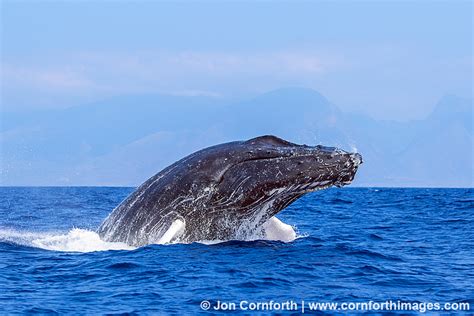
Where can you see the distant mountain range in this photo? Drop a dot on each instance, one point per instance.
(124, 140)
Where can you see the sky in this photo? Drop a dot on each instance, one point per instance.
(391, 60)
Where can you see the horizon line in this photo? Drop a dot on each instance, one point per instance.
(127, 186)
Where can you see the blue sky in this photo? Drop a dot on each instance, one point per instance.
(392, 60)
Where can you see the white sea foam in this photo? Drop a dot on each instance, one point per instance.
(76, 240)
(83, 240)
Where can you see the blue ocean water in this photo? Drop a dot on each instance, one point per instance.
(356, 245)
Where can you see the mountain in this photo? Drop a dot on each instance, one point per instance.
(441, 148)
(124, 140)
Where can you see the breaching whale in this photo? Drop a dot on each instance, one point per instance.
(226, 191)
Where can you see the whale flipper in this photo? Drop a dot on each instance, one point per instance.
(173, 233)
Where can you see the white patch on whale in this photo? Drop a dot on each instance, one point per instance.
(176, 229)
(275, 229)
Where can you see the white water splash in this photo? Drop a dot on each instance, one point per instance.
(353, 148)
(83, 240)
(76, 240)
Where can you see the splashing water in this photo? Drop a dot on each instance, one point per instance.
(76, 240)
(84, 240)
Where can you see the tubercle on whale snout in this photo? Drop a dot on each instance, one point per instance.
(347, 178)
(231, 183)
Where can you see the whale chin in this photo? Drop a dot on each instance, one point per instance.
(228, 191)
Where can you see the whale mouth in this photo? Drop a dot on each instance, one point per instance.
(314, 186)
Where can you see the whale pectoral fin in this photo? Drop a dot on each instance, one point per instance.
(175, 230)
(274, 229)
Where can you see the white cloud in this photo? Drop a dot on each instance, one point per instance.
(183, 72)
(59, 77)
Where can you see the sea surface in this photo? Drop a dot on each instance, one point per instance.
(354, 245)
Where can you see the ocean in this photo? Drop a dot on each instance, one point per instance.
(354, 245)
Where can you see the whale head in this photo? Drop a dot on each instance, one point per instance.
(268, 169)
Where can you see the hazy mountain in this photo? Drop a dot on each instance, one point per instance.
(124, 140)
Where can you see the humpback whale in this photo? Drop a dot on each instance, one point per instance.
(226, 191)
